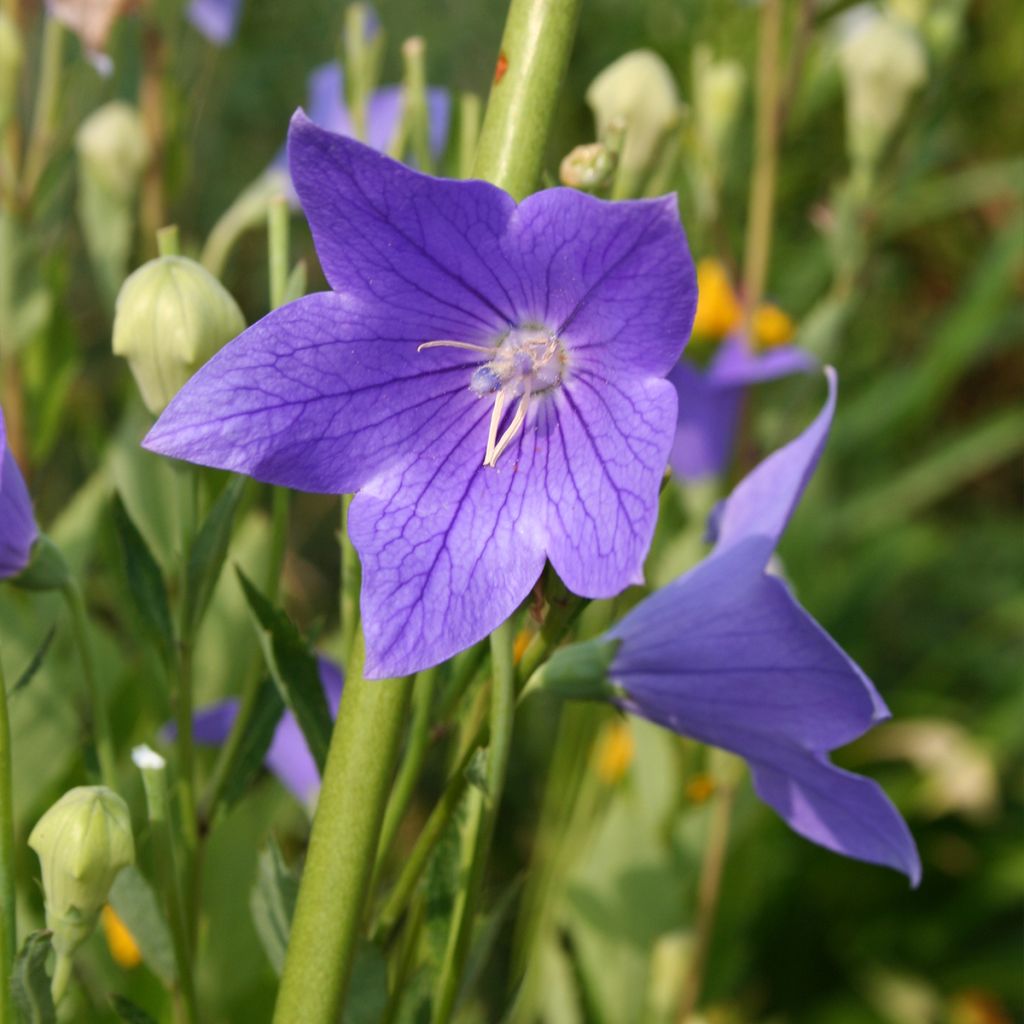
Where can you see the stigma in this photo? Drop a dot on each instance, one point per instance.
(523, 364)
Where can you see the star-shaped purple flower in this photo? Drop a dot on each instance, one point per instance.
(18, 530)
(288, 756)
(727, 656)
(217, 20)
(710, 401)
(489, 377)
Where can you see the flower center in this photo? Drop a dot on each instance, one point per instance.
(526, 362)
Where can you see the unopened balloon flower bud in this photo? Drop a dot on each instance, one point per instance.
(639, 90)
(883, 64)
(12, 54)
(171, 316)
(587, 167)
(82, 841)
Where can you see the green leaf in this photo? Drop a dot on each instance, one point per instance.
(35, 664)
(127, 1010)
(135, 902)
(209, 550)
(272, 903)
(294, 669)
(145, 581)
(30, 984)
(368, 990)
(249, 755)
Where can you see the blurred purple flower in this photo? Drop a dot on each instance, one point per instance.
(488, 377)
(710, 401)
(328, 109)
(288, 756)
(217, 20)
(727, 656)
(18, 530)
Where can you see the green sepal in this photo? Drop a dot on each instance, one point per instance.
(46, 569)
(578, 672)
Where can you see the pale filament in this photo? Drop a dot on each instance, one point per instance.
(494, 450)
(456, 344)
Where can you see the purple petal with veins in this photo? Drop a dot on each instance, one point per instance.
(488, 377)
(18, 530)
(727, 656)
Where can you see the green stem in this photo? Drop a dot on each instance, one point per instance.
(277, 249)
(482, 820)
(414, 98)
(100, 727)
(154, 780)
(44, 121)
(8, 924)
(351, 572)
(766, 138)
(168, 240)
(412, 762)
(469, 131)
(342, 847)
(534, 54)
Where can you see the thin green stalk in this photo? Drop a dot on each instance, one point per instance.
(346, 832)
(44, 120)
(351, 573)
(482, 821)
(412, 762)
(414, 98)
(277, 249)
(766, 145)
(531, 64)
(8, 923)
(168, 240)
(100, 727)
(470, 109)
(154, 780)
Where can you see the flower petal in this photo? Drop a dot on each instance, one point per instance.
(405, 241)
(726, 655)
(318, 396)
(761, 504)
(735, 365)
(847, 813)
(615, 279)
(326, 88)
(215, 19)
(706, 426)
(604, 453)
(449, 547)
(18, 530)
(212, 725)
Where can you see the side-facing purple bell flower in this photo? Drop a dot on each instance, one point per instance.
(489, 377)
(18, 530)
(288, 756)
(328, 109)
(217, 20)
(710, 401)
(727, 656)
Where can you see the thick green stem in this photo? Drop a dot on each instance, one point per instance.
(100, 727)
(482, 820)
(8, 921)
(342, 847)
(528, 76)
(766, 141)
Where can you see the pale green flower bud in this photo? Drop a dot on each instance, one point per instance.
(718, 88)
(12, 54)
(883, 64)
(171, 316)
(112, 150)
(639, 90)
(82, 841)
(588, 167)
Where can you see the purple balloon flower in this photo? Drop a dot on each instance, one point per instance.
(328, 109)
(727, 656)
(710, 401)
(217, 20)
(288, 756)
(18, 530)
(489, 377)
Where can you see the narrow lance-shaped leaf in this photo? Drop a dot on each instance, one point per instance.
(208, 552)
(272, 903)
(35, 664)
(30, 985)
(145, 581)
(251, 752)
(128, 1011)
(135, 902)
(294, 669)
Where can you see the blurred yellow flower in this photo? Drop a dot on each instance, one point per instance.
(718, 307)
(121, 943)
(614, 752)
(522, 641)
(700, 788)
(771, 326)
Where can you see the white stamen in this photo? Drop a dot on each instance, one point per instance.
(456, 344)
(511, 431)
(492, 430)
